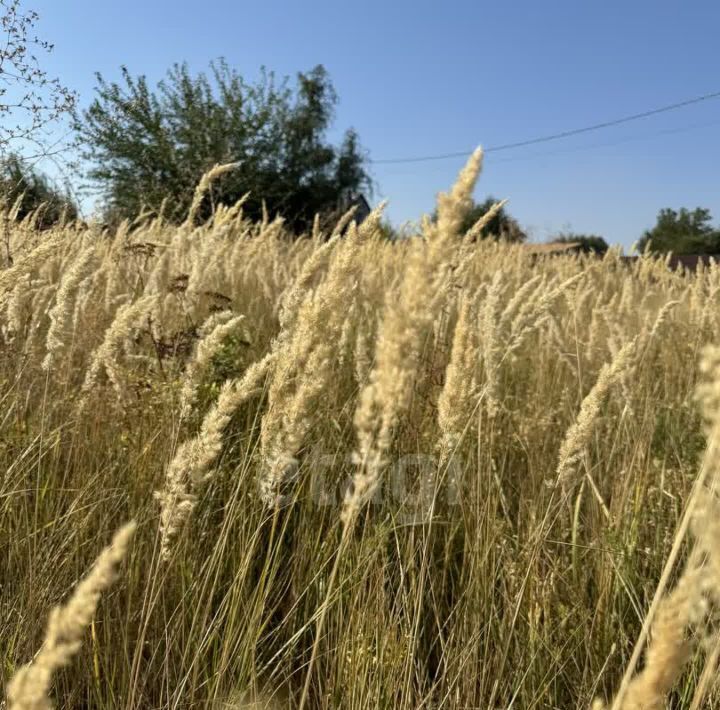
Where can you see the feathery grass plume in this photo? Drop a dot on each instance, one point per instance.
(708, 307)
(208, 265)
(25, 264)
(159, 276)
(535, 314)
(225, 215)
(10, 212)
(29, 687)
(87, 295)
(452, 207)
(61, 312)
(670, 647)
(17, 311)
(116, 285)
(455, 403)
(213, 321)
(204, 185)
(578, 435)
(190, 469)
(477, 228)
(41, 298)
(346, 333)
(708, 390)
(305, 361)
(363, 357)
(106, 357)
(121, 237)
(406, 319)
(519, 300)
(343, 222)
(490, 344)
(662, 316)
(211, 341)
(290, 301)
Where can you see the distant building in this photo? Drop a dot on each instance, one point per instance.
(692, 262)
(362, 205)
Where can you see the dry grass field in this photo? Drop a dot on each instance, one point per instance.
(440, 473)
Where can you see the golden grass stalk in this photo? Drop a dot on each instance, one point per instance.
(363, 357)
(296, 292)
(205, 350)
(578, 435)
(406, 320)
(61, 312)
(476, 230)
(106, 357)
(17, 306)
(530, 318)
(455, 403)
(490, 344)
(670, 647)
(303, 369)
(226, 216)
(25, 264)
(204, 185)
(190, 469)
(660, 319)
(678, 620)
(519, 301)
(29, 687)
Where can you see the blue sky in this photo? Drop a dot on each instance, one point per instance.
(421, 78)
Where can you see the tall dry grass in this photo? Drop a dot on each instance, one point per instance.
(433, 473)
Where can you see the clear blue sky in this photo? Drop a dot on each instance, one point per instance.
(419, 78)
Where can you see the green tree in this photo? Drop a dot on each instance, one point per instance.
(145, 145)
(589, 243)
(28, 190)
(682, 232)
(500, 226)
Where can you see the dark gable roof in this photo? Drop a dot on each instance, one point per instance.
(363, 208)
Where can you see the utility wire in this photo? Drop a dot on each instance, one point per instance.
(607, 143)
(555, 136)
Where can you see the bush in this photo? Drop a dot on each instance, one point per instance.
(26, 189)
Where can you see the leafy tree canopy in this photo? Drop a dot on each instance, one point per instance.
(27, 190)
(589, 243)
(149, 145)
(682, 232)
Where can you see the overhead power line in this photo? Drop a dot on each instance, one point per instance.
(555, 136)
